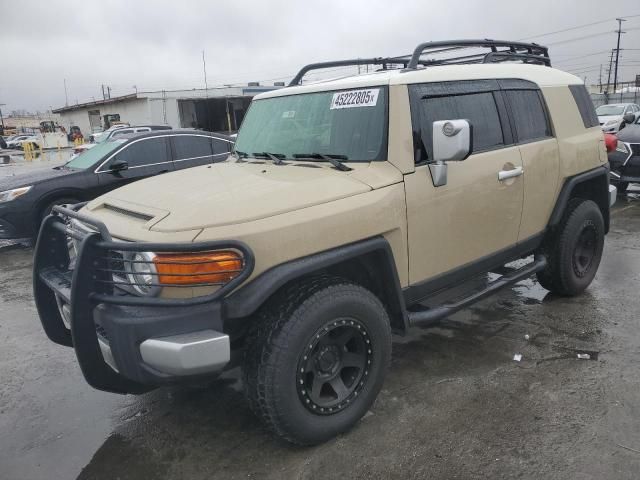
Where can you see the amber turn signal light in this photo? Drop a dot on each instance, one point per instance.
(197, 268)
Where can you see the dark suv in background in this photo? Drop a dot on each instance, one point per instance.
(625, 158)
(26, 199)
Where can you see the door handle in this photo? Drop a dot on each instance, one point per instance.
(506, 174)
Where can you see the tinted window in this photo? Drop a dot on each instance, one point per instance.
(145, 152)
(221, 146)
(585, 105)
(528, 114)
(91, 156)
(479, 108)
(192, 146)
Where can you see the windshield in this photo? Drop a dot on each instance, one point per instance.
(349, 123)
(610, 110)
(89, 157)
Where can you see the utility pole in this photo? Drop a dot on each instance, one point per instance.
(600, 78)
(66, 97)
(620, 32)
(1, 117)
(609, 74)
(204, 69)
(108, 91)
(103, 95)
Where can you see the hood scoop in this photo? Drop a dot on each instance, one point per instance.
(128, 213)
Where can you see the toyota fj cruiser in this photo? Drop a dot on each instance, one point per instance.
(347, 207)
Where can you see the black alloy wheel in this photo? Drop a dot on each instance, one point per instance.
(333, 369)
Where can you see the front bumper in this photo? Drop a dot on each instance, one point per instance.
(625, 167)
(16, 220)
(124, 343)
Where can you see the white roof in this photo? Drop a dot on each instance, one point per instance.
(541, 75)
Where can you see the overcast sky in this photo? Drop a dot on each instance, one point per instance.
(158, 44)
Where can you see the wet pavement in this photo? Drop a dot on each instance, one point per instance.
(14, 162)
(455, 404)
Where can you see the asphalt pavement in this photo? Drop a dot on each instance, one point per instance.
(455, 403)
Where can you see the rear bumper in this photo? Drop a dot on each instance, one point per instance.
(123, 343)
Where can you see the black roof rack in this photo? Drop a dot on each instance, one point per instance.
(499, 51)
(387, 63)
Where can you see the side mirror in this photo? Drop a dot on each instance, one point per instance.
(452, 141)
(118, 166)
(629, 118)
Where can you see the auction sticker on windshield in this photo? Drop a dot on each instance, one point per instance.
(355, 98)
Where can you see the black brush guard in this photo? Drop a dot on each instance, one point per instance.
(89, 284)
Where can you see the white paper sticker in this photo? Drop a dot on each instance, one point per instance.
(289, 114)
(355, 98)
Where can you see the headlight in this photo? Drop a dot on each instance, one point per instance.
(622, 148)
(148, 272)
(9, 195)
(141, 273)
(611, 122)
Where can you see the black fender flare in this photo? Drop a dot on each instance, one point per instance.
(600, 177)
(377, 252)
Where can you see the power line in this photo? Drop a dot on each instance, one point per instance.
(575, 28)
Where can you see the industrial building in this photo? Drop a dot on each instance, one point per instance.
(214, 109)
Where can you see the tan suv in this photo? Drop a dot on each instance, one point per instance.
(346, 205)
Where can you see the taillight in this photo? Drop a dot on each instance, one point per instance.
(610, 142)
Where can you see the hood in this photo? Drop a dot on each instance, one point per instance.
(231, 193)
(605, 118)
(629, 134)
(32, 178)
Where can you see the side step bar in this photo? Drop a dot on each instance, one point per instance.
(432, 315)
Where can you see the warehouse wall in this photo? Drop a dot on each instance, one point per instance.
(134, 111)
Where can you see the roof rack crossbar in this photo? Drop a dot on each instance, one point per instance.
(401, 61)
(499, 51)
(515, 49)
(495, 57)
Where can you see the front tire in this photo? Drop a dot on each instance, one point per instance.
(574, 251)
(317, 359)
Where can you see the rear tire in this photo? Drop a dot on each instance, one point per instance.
(621, 186)
(574, 251)
(316, 359)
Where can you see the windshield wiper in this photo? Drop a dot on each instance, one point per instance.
(334, 160)
(276, 157)
(238, 154)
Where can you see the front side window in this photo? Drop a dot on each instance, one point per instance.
(529, 117)
(145, 152)
(479, 108)
(91, 156)
(350, 123)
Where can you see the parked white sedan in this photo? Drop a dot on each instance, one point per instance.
(612, 116)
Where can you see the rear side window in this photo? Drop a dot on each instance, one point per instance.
(529, 116)
(145, 152)
(585, 105)
(192, 146)
(479, 108)
(221, 146)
